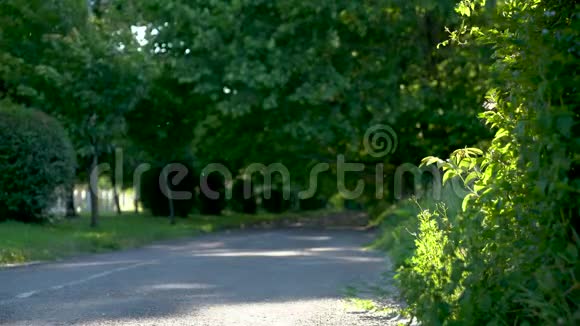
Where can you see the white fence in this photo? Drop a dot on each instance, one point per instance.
(83, 202)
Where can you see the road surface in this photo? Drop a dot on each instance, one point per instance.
(251, 277)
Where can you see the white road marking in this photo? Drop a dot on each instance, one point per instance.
(29, 294)
(26, 295)
(100, 275)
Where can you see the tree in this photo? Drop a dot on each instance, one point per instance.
(89, 74)
(310, 78)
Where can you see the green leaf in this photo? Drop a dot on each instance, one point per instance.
(429, 160)
(478, 188)
(449, 174)
(466, 200)
(474, 151)
(501, 133)
(463, 9)
(471, 176)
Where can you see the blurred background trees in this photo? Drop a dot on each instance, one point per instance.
(243, 82)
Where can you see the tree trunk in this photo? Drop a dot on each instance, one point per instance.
(116, 195)
(71, 211)
(117, 202)
(94, 190)
(171, 207)
(171, 212)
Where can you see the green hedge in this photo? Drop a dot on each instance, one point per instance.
(36, 158)
(239, 203)
(275, 203)
(210, 206)
(511, 257)
(155, 200)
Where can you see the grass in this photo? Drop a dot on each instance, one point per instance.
(373, 301)
(20, 243)
(398, 228)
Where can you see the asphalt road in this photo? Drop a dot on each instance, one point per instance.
(255, 277)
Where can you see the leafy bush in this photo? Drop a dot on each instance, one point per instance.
(153, 198)
(239, 202)
(276, 203)
(512, 255)
(211, 206)
(429, 281)
(312, 203)
(396, 227)
(36, 157)
(399, 223)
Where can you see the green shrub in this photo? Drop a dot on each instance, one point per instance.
(313, 203)
(36, 158)
(336, 201)
(399, 223)
(154, 200)
(397, 226)
(276, 203)
(211, 206)
(428, 276)
(511, 257)
(239, 203)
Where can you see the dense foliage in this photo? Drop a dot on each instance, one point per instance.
(243, 201)
(275, 202)
(75, 63)
(36, 158)
(298, 83)
(511, 256)
(153, 195)
(312, 203)
(208, 203)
